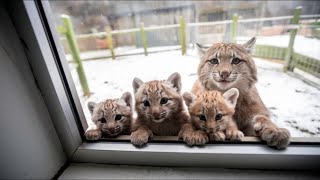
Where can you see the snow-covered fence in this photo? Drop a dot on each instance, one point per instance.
(292, 59)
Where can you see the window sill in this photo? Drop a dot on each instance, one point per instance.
(251, 154)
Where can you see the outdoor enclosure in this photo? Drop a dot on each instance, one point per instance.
(287, 53)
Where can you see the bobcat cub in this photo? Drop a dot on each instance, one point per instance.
(212, 112)
(111, 117)
(160, 110)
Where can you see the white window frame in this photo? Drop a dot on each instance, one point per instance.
(34, 22)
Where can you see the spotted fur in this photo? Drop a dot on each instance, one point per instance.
(111, 117)
(217, 70)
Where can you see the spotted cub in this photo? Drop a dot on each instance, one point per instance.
(161, 112)
(212, 113)
(111, 117)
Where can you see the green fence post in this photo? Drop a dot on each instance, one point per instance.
(143, 38)
(110, 42)
(69, 33)
(183, 35)
(289, 52)
(234, 28)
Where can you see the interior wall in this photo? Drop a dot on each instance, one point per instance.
(30, 147)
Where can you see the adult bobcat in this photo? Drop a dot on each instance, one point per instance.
(224, 66)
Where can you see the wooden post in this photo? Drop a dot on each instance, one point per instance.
(183, 35)
(234, 28)
(143, 38)
(69, 33)
(110, 42)
(289, 52)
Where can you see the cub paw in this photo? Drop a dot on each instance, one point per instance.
(277, 137)
(217, 136)
(93, 134)
(195, 138)
(234, 135)
(139, 138)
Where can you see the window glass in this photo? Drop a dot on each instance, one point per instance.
(119, 40)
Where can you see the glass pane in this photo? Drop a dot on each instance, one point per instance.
(120, 40)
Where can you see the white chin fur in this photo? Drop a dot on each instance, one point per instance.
(224, 85)
(158, 120)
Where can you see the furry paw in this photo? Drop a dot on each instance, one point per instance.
(93, 134)
(139, 138)
(234, 135)
(195, 138)
(278, 137)
(217, 136)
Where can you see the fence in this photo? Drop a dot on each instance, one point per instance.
(291, 59)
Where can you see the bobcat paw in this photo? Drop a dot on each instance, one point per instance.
(278, 137)
(234, 135)
(217, 136)
(195, 138)
(93, 134)
(139, 138)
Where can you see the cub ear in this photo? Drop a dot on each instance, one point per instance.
(248, 46)
(136, 84)
(231, 96)
(175, 80)
(188, 98)
(91, 106)
(201, 49)
(127, 97)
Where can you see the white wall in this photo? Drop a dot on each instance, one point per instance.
(30, 147)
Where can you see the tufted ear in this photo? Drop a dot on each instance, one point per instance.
(231, 96)
(175, 80)
(91, 106)
(127, 98)
(248, 46)
(201, 49)
(188, 98)
(136, 84)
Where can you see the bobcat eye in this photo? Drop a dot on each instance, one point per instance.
(236, 61)
(118, 117)
(163, 100)
(102, 120)
(218, 117)
(146, 103)
(214, 61)
(202, 117)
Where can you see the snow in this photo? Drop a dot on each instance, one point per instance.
(302, 45)
(293, 103)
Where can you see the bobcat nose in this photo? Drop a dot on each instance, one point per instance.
(111, 130)
(224, 74)
(156, 115)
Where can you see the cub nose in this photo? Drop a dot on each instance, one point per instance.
(156, 115)
(224, 74)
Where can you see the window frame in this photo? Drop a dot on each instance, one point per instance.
(34, 21)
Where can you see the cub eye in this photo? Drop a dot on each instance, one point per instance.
(102, 120)
(202, 117)
(163, 100)
(118, 117)
(218, 117)
(146, 103)
(214, 61)
(235, 61)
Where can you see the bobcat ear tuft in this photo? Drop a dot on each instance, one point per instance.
(201, 49)
(248, 46)
(175, 80)
(127, 97)
(231, 96)
(136, 84)
(91, 106)
(188, 98)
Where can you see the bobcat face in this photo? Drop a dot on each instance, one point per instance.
(157, 100)
(225, 65)
(112, 116)
(210, 111)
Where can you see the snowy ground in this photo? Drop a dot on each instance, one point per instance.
(293, 103)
